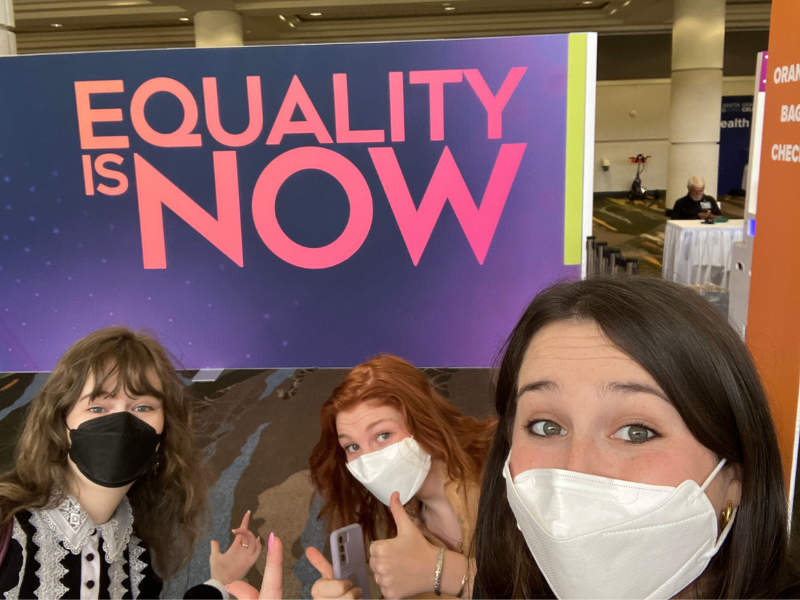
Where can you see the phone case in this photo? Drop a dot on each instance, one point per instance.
(349, 558)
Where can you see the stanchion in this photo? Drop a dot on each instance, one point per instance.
(602, 258)
(614, 257)
(591, 256)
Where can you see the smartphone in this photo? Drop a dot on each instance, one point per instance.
(349, 558)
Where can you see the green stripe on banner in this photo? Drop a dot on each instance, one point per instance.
(576, 122)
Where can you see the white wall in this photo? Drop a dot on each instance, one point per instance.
(633, 118)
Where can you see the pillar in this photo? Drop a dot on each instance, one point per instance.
(698, 44)
(217, 28)
(8, 40)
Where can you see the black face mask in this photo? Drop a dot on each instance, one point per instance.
(114, 450)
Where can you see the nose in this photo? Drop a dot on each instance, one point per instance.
(585, 456)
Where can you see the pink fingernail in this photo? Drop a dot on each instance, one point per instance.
(228, 589)
(271, 541)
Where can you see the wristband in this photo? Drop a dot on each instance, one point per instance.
(437, 578)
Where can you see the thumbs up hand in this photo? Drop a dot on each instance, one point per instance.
(326, 587)
(403, 566)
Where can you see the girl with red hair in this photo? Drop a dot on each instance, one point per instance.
(391, 444)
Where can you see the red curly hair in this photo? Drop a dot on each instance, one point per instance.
(460, 442)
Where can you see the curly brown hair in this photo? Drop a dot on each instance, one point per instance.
(460, 442)
(169, 501)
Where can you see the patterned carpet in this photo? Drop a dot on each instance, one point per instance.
(636, 227)
(257, 429)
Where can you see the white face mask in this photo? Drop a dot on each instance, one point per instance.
(594, 537)
(401, 467)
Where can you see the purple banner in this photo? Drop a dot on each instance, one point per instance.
(282, 206)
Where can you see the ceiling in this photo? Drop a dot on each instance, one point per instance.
(85, 25)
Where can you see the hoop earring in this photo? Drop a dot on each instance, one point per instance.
(725, 516)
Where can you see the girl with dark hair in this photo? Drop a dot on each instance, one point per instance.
(635, 455)
(404, 463)
(106, 496)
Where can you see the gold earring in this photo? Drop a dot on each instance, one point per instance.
(725, 516)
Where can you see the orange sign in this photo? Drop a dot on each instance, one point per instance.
(773, 326)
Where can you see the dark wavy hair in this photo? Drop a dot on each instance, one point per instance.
(708, 375)
(169, 501)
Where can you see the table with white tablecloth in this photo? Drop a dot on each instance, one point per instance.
(696, 253)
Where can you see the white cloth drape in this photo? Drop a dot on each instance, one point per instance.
(696, 253)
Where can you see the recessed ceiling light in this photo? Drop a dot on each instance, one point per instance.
(291, 24)
(626, 3)
(449, 7)
(316, 14)
(587, 2)
(281, 17)
(613, 12)
(183, 19)
(56, 25)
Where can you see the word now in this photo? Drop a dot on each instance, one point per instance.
(787, 74)
(416, 224)
(294, 99)
(786, 152)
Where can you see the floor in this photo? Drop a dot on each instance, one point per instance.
(636, 227)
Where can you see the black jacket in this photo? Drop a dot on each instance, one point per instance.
(686, 208)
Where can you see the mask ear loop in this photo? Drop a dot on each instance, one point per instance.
(701, 490)
(714, 473)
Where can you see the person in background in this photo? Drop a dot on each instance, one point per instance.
(635, 454)
(695, 204)
(404, 463)
(106, 496)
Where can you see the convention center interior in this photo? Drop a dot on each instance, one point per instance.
(399, 298)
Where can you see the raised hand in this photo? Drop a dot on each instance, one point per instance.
(240, 557)
(326, 586)
(403, 566)
(272, 584)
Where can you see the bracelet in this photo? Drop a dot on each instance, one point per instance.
(463, 583)
(437, 578)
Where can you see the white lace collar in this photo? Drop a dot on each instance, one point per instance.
(73, 527)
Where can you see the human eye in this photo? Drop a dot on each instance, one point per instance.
(545, 428)
(143, 408)
(96, 409)
(352, 448)
(636, 433)
(382, 437)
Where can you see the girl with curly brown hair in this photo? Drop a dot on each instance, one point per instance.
(106, 495)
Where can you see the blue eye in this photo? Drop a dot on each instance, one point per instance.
(382, 437)
(351, 448)
(96, 409)
(546, 428)
(143, 408)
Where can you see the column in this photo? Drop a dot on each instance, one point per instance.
(217, 28)
(698, 43)
(8, 40)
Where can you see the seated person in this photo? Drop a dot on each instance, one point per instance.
(695, 204)
(635, 455)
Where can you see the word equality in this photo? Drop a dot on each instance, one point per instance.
(416, 224)
(295, 98)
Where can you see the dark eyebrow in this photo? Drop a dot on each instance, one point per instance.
(634, 388)
(537, 386)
